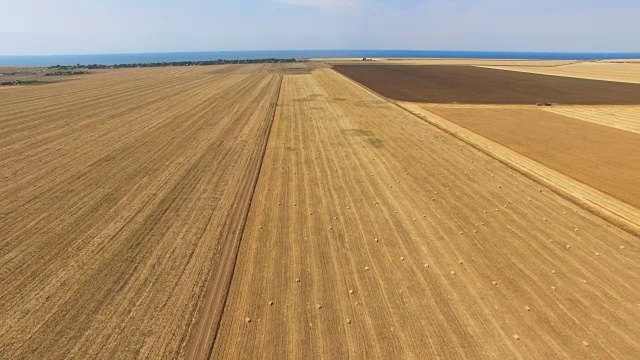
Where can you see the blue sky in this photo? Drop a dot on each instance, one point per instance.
(40, 27)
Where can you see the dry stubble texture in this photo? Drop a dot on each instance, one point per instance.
(619, 117)
(117, 193)
(374, 235)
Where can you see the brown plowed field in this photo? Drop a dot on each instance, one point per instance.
(375, 235)
(120, 197)
(597, 155)
(467, 84)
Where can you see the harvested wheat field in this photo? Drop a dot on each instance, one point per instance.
(620, 117)
(374, 234)
(443, 61)
(603, 157)
(122, 198)
(477, 85)
(179, 213)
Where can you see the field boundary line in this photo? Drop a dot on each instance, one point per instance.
(622, 215)
(627, 217)
(525, 68)
(201, 340)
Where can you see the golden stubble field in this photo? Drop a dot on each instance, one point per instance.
(121, 196)
(375, 231)
(374, 234)
(601, 70)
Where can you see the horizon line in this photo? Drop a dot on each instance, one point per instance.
(302, 50)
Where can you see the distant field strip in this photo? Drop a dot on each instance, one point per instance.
(608, 71)
(375, 235)
(118, 193)
(620, 117)
(478, 62)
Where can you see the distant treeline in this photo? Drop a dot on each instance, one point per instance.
(66, 73)
(175, 63)
(21, 82)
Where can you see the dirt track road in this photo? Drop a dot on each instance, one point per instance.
(375, 235)
(117, 196)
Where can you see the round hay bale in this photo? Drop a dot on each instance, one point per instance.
(527, 308)
(453, 272)
(348, 321)
(494, 283)
(297, 280)
(351, 292)
(516, 336)
(270, 303)
(247, 319)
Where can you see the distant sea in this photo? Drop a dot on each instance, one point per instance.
(111, 59)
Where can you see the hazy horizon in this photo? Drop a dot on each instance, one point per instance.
(634, 53)
(38, 27)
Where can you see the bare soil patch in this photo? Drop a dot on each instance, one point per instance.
(464, 84)
(600, 156)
